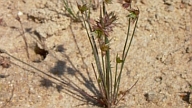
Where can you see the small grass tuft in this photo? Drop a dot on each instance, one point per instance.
(108, 77)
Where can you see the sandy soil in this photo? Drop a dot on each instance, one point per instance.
(60, 55)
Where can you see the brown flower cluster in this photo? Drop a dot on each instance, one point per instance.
(105, 24)
(102, 28)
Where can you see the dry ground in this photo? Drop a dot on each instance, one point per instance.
(160, 56)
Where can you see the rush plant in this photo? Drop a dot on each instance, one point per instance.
(98, 33)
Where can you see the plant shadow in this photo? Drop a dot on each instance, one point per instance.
(63, 68)
(61, 84)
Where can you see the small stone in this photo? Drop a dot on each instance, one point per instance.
(189, 49)
(169, 2)
(155, 97)
(31, 90)
(151, 97)
(158, 79)
(148, 27)
(170, 8)
(189, 2)
(20, 13)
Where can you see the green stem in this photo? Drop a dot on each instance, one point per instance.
(69, 9)
(115, 81)
(122, 65)
(95, 52)
(128, 30)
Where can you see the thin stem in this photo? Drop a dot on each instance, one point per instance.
(115, 81)
(94, 49)
(131, 38)
(24, 36)
(107, 63)
(127, 91)
(128, 30)
(96, 56)
(101, 90)
(103, 64)
(69, 9)
(122, 65)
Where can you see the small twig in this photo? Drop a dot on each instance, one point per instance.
(24, 36)
(126, 92)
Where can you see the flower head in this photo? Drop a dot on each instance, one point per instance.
(105, 24)
(134, 14)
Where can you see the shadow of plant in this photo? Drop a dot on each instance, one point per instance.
(62, 84)
(59, 72)
(46, 83)
(60, 68)
(59, 88)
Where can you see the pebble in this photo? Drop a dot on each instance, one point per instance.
(20, 13)
(154, 97)
(170, 8)
(189, 2)
(31, 90)
(151, 96)
(169, 2)
(158, 79)
(189, 49)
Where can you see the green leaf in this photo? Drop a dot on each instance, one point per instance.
(83, 8)
(118, 60)
(133, 13)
